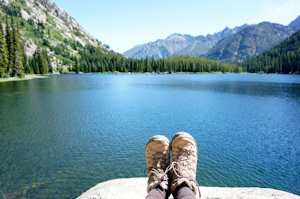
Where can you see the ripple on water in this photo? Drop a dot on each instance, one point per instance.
(62, 135)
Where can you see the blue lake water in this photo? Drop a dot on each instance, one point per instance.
(62, 135)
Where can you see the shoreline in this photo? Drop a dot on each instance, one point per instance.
(27, 77)
(181, 73)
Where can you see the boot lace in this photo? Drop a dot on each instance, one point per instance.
(183, 164)
(158, 173)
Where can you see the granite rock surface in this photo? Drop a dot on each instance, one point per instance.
(135, 188)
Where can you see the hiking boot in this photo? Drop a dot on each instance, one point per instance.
(184, 156)
(157, 153)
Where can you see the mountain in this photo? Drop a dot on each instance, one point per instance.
(282, 58)
(202, 44)
(250, 42)
(46, 24)
(161, 48)
(60, 23)
(178, 44)
(296, 22)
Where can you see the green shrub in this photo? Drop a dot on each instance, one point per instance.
(21, 75)
(68, 72)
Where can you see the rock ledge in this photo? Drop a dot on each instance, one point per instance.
(135, 188)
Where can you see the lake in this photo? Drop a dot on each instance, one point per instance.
(62, 135)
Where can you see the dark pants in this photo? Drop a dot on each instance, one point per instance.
(182, 192)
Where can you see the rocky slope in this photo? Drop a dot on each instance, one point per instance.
(202, 44)
(162, 48)
(296, 22)
(250, 42)
(282, 58)
(178, 44)
(43, 21)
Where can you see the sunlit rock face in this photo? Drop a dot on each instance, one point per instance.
(134, 188)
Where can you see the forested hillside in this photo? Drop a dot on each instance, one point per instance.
(38, 37)
(283, 58)
(42, 30)
(37, 43)
(93, 60)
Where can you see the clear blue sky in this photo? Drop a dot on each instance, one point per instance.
(123, 24)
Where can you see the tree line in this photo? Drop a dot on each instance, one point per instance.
(94, 59)
(282, 58)
(13, 60)
(12, 55)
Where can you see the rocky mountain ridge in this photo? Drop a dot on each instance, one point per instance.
(179, 44)
(161, 48)
(249, 42)
(202, 44)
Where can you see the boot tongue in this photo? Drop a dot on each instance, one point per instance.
(160, 161)
(159, 166)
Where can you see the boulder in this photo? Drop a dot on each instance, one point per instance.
(25, 15)
(135, 188)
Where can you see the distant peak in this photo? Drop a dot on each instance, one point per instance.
(296, 22)
(242, 26)
(178, 36)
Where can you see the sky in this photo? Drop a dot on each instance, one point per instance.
(122, 24)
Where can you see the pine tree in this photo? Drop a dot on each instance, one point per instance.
(102, 68)
(36, 65)
(3, 52)
(10, 46)
(82, 66)
(18, 65)
(136, 65)
(43, 65)
(24, 56)
(106, 67)
(123, 66)
(147, 64)
(30, 65)
(76, 65)
(89, 67)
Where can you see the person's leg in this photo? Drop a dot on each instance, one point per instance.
(184, 156)
(157, 154)
(184, 192)
(157, 193)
